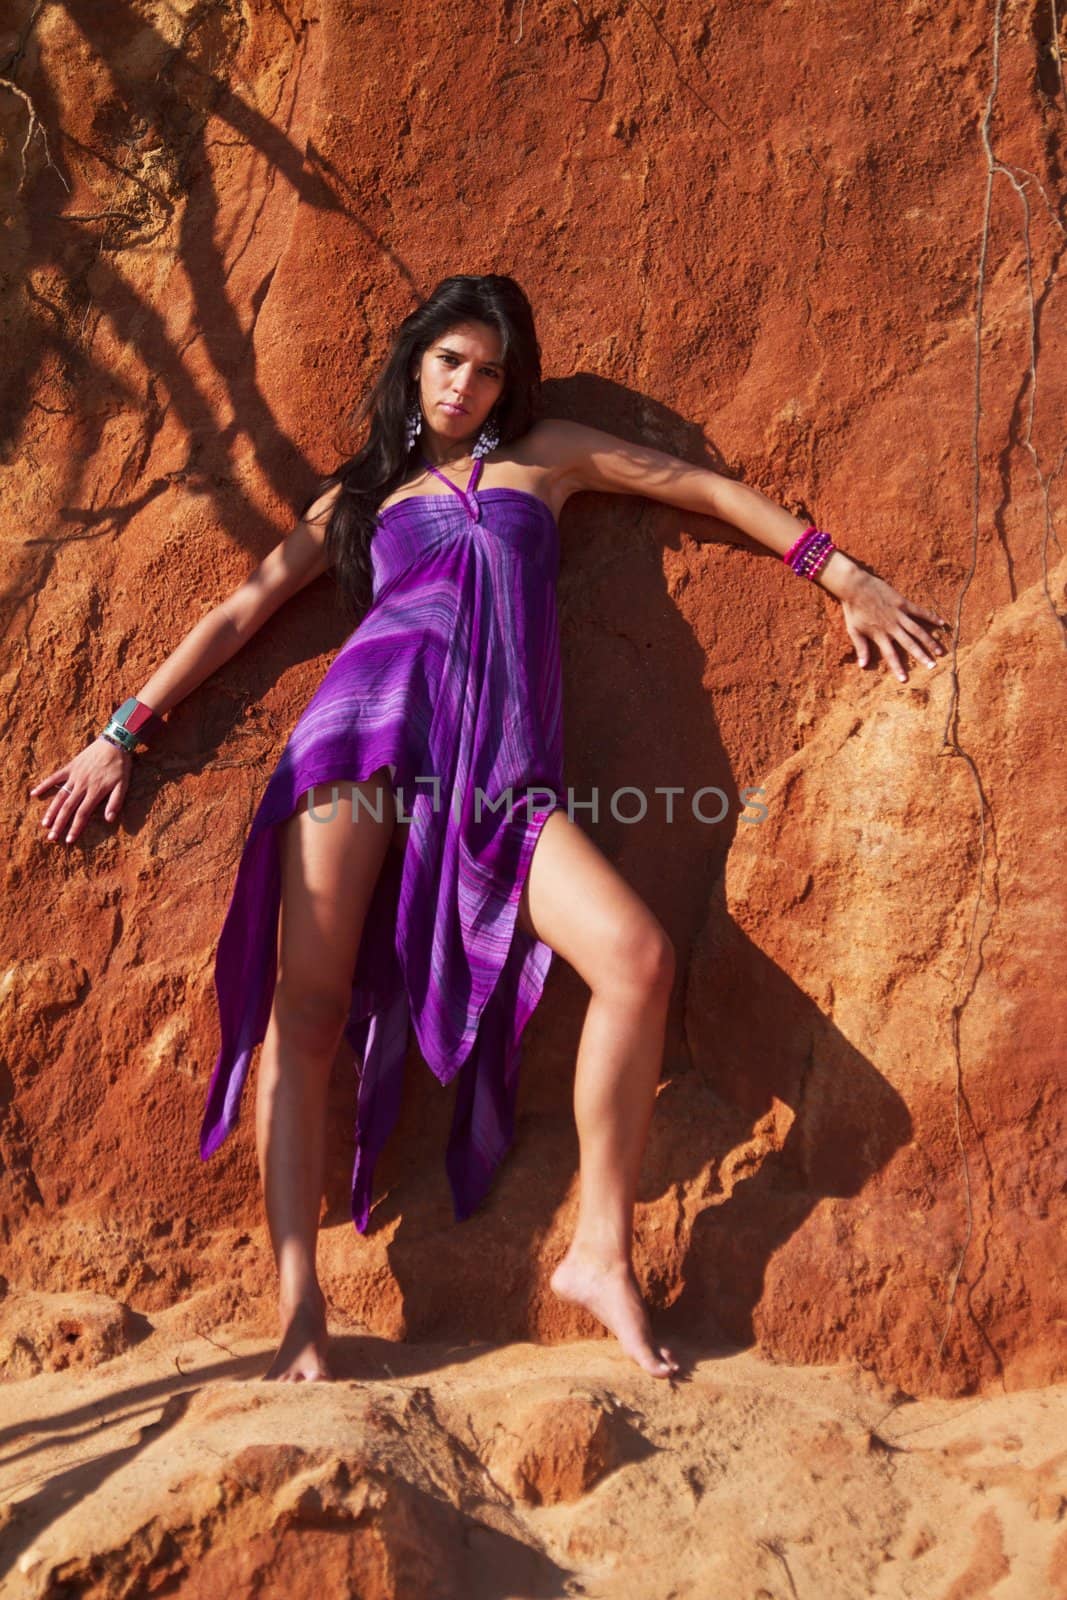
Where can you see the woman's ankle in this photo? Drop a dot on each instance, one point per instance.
(601, 1249)
(300, 1290)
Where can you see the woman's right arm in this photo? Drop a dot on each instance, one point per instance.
(101, 770)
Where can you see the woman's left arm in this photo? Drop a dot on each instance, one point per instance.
(588, 458)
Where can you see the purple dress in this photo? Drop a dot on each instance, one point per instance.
(452, 679)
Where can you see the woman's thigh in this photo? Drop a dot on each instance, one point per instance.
(333, 849)
(583, 908)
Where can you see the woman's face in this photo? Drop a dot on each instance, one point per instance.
(461, 367)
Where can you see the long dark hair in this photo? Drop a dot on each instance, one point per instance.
(384, 461)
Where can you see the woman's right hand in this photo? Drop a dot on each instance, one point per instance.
(100, 770)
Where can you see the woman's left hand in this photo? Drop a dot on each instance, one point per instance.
(873, 609)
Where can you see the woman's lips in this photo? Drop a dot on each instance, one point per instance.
(458, 411)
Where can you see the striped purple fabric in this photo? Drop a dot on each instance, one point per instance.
(452, 680)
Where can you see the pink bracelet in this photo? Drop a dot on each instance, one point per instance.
(809, 553)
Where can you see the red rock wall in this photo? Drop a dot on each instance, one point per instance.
(758, 235)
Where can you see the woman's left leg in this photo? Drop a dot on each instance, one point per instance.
(578, 904)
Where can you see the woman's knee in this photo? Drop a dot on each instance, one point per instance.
(308, 1015)
(640, 956)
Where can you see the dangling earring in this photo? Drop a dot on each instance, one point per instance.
(488, 438)
(414, 423)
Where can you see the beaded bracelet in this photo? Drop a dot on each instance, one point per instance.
(808, 554)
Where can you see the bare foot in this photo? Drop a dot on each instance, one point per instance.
(610, 1292)
(303, 1348)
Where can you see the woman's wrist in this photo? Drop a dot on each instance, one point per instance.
(133, 723)
(109, 738)
(840, 576)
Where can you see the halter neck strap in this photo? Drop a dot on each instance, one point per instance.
(466, 493)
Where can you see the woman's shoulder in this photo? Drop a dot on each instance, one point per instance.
(546, 443)
(320, 505)
(563, 448)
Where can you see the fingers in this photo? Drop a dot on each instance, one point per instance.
(930, 616)
(903, 629)
(909, 620)
(46, 783)
(69, 812)
(885, 645)
(915, 638)
(859, 644)
(81, 816)
(58, 803)
(116, 797)
(61, 803)
(60, 813)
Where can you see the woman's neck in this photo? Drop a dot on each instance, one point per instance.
(449, 453)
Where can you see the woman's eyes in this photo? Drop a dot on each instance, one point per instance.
(487, 370)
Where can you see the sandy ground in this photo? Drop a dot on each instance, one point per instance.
(472, 1472)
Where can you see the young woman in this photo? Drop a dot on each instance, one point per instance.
(413, 855)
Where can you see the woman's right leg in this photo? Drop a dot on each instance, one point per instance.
(331, 859)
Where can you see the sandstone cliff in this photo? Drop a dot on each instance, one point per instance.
(814, 247)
